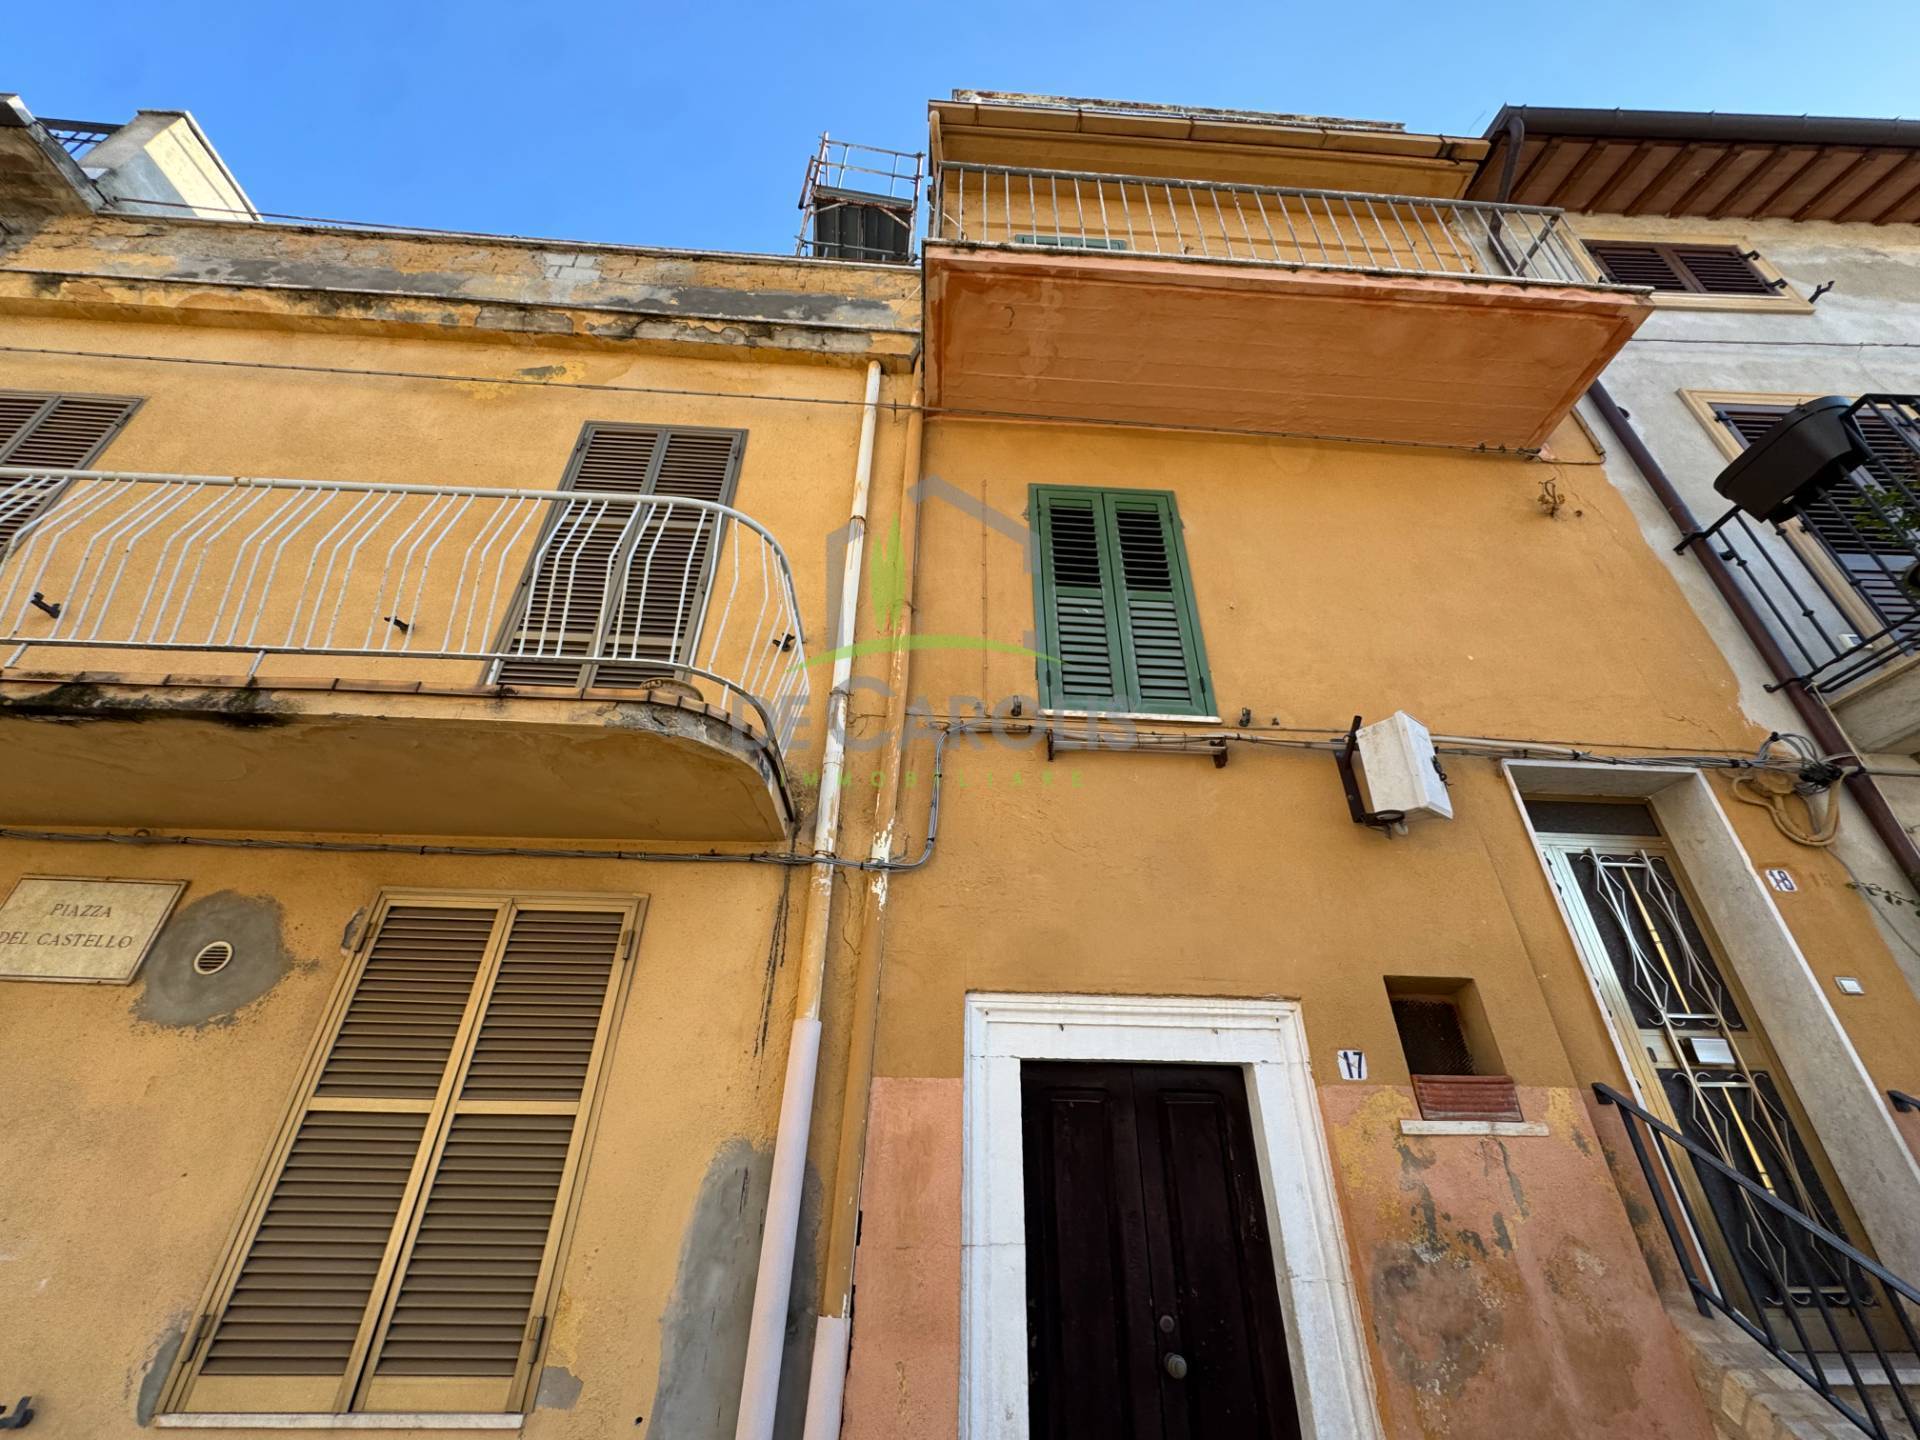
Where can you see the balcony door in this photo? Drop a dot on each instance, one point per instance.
(616, 588)
(1868, 526)
(1700, 1058)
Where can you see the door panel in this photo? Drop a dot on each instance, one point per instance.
(1153, 1311)
(1700, 1059)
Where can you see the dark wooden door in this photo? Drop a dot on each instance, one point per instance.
(1152, 1312)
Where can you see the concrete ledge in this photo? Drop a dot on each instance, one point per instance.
(1473, 1127)
(396, 1420)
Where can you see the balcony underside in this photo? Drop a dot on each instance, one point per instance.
(1882, 714)
(1260, 347)
(93, 751)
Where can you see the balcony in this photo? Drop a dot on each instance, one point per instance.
(1220, 305)
(1839, 585)
(218, 652)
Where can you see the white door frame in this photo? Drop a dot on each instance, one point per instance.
(1876, 1168)
(1326, 1337)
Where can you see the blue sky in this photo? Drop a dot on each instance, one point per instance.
(681, 124)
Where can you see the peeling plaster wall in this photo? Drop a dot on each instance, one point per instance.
(137, 1116)
(1502, 1279)
(555, 290)
(1499, 1278)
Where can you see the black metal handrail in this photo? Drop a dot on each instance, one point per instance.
(1902, 1100)
(1858, 612)
(1871, 1295)
(77, 137)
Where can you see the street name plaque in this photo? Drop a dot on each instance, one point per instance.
(73, 928)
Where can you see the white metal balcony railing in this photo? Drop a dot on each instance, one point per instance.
(556, 588)
(992, 205)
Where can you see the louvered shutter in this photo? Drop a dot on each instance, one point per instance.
(409, 1234)
(59, 432)
(1159, 631)
(1681, 269)
(458, 1334)
(1722, 270)
(1118, 627)
(624, 581)
(1864, 524)
(1081, 668)
(1627, 264)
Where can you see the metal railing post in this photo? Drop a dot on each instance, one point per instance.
(555, 583)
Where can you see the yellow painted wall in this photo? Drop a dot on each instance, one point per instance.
(137, 1137)
(1330, 581)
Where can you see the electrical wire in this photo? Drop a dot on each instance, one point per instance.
(1778, 344)
(450, 378)
(943, 736)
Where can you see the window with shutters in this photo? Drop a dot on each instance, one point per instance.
(1869, 524)
(400, 1252)
(624, 581)
(1118, 627)
(59, 432)
(1687, 269)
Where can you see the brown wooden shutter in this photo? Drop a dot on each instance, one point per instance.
(411, 1225)
(659, 565)
(60, 432)
(1722, 270)
(481, 1253)
(1681, 269)
(1627, 264)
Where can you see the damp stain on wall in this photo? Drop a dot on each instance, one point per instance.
(703, 1331)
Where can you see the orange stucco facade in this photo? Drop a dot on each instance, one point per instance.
(1468, 560)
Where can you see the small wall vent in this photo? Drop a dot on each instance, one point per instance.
(213, 958)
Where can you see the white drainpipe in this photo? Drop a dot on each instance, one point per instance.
(766, 1338)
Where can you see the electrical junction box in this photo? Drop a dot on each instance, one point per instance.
(1397, 756)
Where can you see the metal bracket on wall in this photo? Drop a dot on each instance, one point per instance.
(18, 1417)
(1902, 1100)
(1387, 822)
(1713, 529)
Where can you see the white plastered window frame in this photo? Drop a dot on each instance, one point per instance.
(1875, 1167)
(1266, 1040)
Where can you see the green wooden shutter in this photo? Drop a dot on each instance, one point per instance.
(1081, 665)
(1118, 626)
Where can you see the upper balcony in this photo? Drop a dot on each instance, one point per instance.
(232, 653)
(1839, 584)
(1212, 303)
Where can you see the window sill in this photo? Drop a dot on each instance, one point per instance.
(388, 1420)
(1049, 714)
(1472, 1127)
(1677, 300)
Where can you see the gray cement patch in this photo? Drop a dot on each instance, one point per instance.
(174, 993)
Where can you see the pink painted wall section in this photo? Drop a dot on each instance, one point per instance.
(904, 1379)
(1501, 1280)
